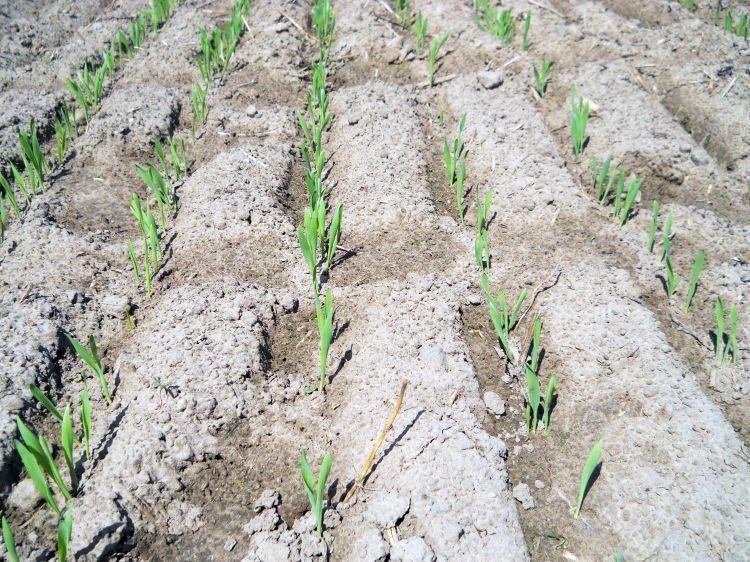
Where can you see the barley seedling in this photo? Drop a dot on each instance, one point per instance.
(672, 281)
(42, 398)
(308, 243)
(689, 5)
(8, 189)
(731, 345)
(67, 446)
(728, 21)
(502, 319)
(32, 152)
(634, 187)
(61, 137)
(91, 358)
(456, 173)
(10, 542)
(179, 157)
(579, 119)
(481, 244)
(42, 453)
(108, 61)
(3, 220)
(588, 470)
(20, 181)
(697, 268)
(325, 327)
(500, 23)
(137, 31)
(652, 230)
(551, 384)
(70, 120)
(324, 21)
(64, 532)
(526, 26)
(37, 477)
(532, 380)
(437, 43)
(200, 112)
(541, 76)
(719, 344)
(732, 342)
(86, 417)
(315, 493)
(421, 30)
(159, 149)
(164, 193)
(134, 261)
(666, 247)
(123, 46)
(603, 177)
(334, 235)
(403, 9)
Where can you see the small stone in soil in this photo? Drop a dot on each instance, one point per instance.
(494, 403)
(522, 493)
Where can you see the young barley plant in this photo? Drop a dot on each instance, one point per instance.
(334, 235)
(64, 533)
(500, 23)
(61, 137)
(672, 281)
(531, 368)
(719, 343)
(20, 182)
(666, 245)
(325, 327)
(526, 26)
(541, 76)
(200, 111)
(652, 230)
(697, 268)
(403, 9)
(162, 189)
(179, 157)
(316, 492)
(579, 119)
(37, 477)
(481, 243)
(67, 446)
(731, 346)
(551, 385)
(91, 358)
(634, 188)
(421, 31)
(689, 5)
(588, 471)
(503, 320)
(9, 541)
(456, 174)
(32, 152)
(8, 189)
(435, 47)
(86, 416)
(603, 177)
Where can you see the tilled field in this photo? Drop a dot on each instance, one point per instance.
(214, 376)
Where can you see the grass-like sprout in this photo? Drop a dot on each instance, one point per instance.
(91, 358)
(672, 281)
(8, 189)
(67, 445)
(666, 245)
(689, 5)
(37, 477)
(500, 23)
(9, 541)
(86, 417)
(20, 181)
(481, 243)
(61, 141)
(456, 174)
(162, 189)
(551, 385)
(325, 327)
(41, 454)
(697, 268)
(532, 380)
(32, 153)
(603, 177)
(634, 187)
(200, 111)
(421, 32)
(324, 21)
(138, 30)
(64, 533)
(179, 157)
(579, 119)
(541, 76)
(403, 9)
(723, 351)
(526, 26)
(435, 46)
(316, 492)
(334, 235)
(503, 320)
(652, 229)
(70, 120)
(719, 343)
(588, 470)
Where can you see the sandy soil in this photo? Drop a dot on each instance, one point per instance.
(207, 468)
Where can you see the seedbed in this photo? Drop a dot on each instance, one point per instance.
(380, 308)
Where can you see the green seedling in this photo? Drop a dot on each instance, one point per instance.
(723, 351)
(579, 119)
(159, 149)
(64, 532)
(689, 5)
(86, 417)
(134, 261)
(315, 493)
(61, 137)
(526, 26)
(532, 380)
(500, 23)
(308, 243)
(325, 327)
(666, 245)
(719, 308)
(481, 243)
(324, 21)
(37, 393)
(179, 157)
(634, 187)
(619, 556)
(108, 61)
(454, 172)
(91, 358)
(32, 153)
(603, 177)
(652, 230)
(403, 9)
(42, 454)
(128, 319)
(588, 470)
(672, 281)
(421, 31)
(732, 342)
(80, 96)
(70, 120)
(503, 320)
(435, 47)
(334, 235)
(541, 76)
(67, 446)
(162, 189)
(10, 542)
(728, 21)
(551, 384)
(20, 182)
(8, 189)
(3, 220)
(35, 473)
(137, 31)
(200, 112)
(697, 268)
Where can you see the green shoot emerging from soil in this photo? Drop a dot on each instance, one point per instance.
(456, 173)
(723, 351)
(526, 26)
(91, 358)
(64, 532)
(672, 281)
(541, 76)
(500, 23)
(421, 31)
(532, 380)
(316, 492)
(9, 541)
(200, 111)
(551, 385)
(403, 9)
(697, 268)
(481, 243)
(435, 47)
(588, 471)
(325, 327)
(666, 246)
(579, 119)
(503, 320)
(652, 230)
